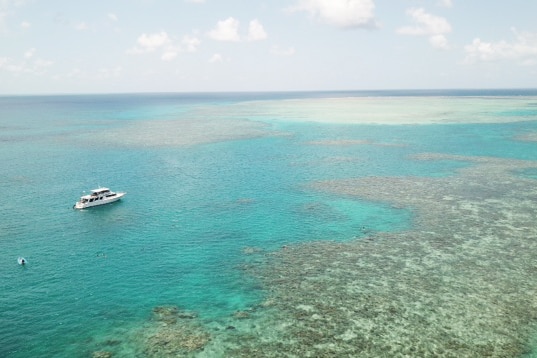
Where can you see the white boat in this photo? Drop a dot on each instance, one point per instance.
(22, 261)
(98, 196)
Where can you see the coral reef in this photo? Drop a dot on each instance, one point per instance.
(461, 283)
(168, 332)
(176, 333)
(170, 314)
(171, 133)
(173, 341)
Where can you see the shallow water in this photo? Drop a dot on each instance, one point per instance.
(219, 184)
(460, 283)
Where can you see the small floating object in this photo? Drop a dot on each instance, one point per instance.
(22, 261)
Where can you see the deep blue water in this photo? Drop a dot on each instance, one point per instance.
(179, 235)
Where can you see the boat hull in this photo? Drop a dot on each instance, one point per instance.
(107, 200)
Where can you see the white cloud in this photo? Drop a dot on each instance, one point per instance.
(170, 53)
(30, 53)
(40, 63)
(446, 3)
(196, 1)
(216, 58)
(7, 9)
(435, 27)
(278, 51)
(256, 32)
(426, 24)
(523, 49)
(16, 68)
(161, 42)
(190, 43)
(112, 17)
(226, 30)
(26, 25)
(151, 42)
(439, 41)
(341, 13)
(37, 67)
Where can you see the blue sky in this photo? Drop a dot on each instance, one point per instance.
(60, 46)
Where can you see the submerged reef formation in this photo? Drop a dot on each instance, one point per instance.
(461, 283)
(390, 110)
(176, 333)
(170, 332)
(179, 133)
(528, 137)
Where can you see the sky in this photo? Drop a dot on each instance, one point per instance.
(119, 46)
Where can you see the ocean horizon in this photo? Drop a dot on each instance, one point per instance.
(285, 94)
(270, 224)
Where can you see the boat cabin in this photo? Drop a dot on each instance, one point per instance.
(96, 194)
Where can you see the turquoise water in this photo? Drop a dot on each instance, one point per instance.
(193, 208)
